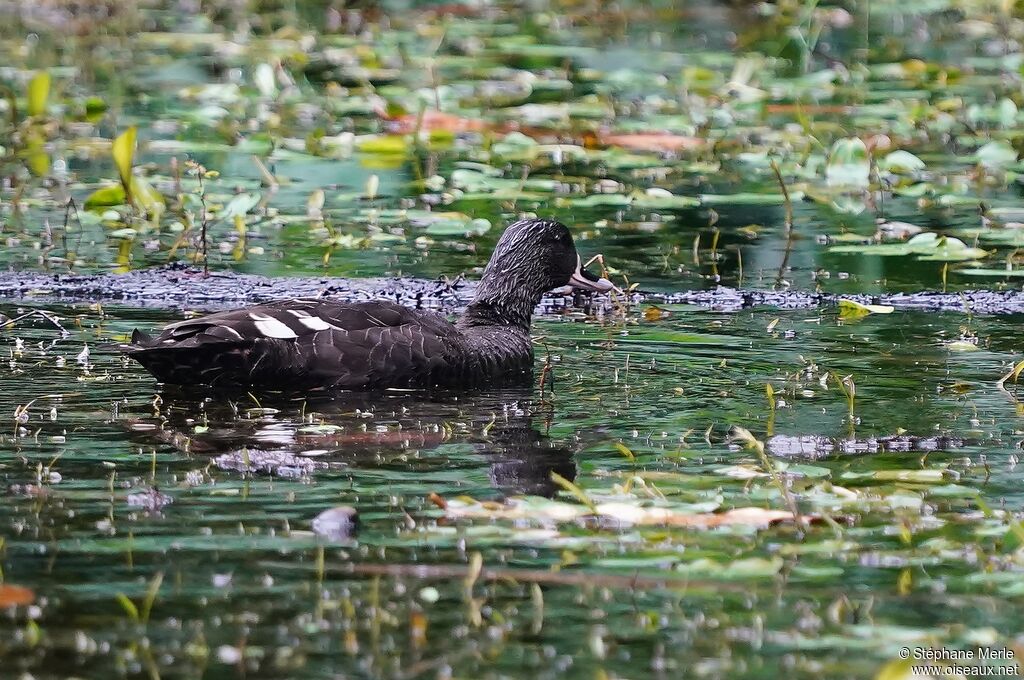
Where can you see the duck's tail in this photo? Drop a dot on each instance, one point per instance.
(181, 363)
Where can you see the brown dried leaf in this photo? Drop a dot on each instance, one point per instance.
(15, 596)
(656, 141)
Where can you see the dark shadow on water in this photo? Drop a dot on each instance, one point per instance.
(304, 436)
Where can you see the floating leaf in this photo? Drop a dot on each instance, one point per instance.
(902, 163)
(950, 249)
(753, 567)
(15, 596)
(927, 246)
(474, 227)
(264, 79)
(996, 155)
(848, 163)
(662, 142)
(240, 205)
(749, 198)
(602, 200)
(516, 146)
(993, 271)
(851, 309)
(666, 201)
(105, 197)
(849, 205)
(928, 476)
(898, 230)
(629, 513)
(384, 144)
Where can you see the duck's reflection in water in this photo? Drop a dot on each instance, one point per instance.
(302, 437)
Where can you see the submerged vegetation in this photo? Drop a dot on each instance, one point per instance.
(687, 492)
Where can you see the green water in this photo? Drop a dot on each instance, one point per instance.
(906, 562)
(516, 534)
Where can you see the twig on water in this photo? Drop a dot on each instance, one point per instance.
(788, 223)
(37, 312)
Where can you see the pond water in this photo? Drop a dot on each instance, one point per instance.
(613, 523)
(110, 485)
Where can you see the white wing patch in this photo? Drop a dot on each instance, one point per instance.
(271, 327)
(315, 323)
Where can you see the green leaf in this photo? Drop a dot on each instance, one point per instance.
(105, 197)
(240, 205)
(902, 163)
(124, 153)
(574, 490)
(663, 201)
(927, 246)
(899, 669)
(146, 196)
(516, 146)
(982, 271)
(456, 227)
(951, 249)
(265, 80)
(961, 346)
(927, 476)
(36, 157)
(848, 163)
(749, 198)
(995, 155)
(851, 309)
(384, 144)
(601, 200)
(751, 567)
(151, 593)
(129, 607)
(38, 93)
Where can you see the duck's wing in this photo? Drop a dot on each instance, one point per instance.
(297, 344)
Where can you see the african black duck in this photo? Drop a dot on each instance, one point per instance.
(302, 344)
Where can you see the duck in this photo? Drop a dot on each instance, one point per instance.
(320, 344)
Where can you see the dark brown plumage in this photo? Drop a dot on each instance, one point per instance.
(316, 343)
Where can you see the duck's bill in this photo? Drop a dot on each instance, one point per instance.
(585, 280)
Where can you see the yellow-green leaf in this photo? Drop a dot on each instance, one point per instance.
(1017, 369)
(146, 197)
(574, 490)
(383, 144)
(37, 160)
(851, 309)
(128, 606)
(38, 93)
(105, 197)
(899, 669)
(124, 153)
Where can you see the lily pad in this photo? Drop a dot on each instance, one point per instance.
(848, 164)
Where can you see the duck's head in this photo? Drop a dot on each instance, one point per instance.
(532, 257)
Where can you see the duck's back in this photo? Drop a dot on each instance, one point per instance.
(301, 344)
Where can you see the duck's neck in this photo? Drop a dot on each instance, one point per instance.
(509, 305)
